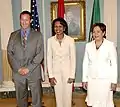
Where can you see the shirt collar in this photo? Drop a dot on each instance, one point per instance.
(27, 32)
(62, 39)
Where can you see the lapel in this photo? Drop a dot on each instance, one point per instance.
(93, 51)
(30, 37)
(19, 39)
(93, 47)
(100, 52)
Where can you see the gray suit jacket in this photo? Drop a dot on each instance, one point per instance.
(29, 57)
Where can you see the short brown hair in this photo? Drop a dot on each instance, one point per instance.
(25, 12)
(102, 26)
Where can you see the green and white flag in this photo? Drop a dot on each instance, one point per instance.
(95, 16)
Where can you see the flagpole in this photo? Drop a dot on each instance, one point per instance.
(1, 74)
(44, 37)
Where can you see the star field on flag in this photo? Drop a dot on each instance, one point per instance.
(35, 18)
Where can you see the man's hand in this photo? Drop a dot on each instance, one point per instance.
(52, 81)
(23, 71)
(70, 80)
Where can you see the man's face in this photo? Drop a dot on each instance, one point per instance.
(25, 21)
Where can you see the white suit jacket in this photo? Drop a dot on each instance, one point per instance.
(61, 58)
(101, 63)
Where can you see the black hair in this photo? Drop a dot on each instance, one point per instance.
(62, 22)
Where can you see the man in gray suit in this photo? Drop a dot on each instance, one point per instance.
(25, 53)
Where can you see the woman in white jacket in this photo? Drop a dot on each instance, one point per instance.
(100, 69)
(61, 60)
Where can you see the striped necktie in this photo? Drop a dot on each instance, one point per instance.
(24, 39)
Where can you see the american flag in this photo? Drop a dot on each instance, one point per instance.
(35, 18)
(36, 26)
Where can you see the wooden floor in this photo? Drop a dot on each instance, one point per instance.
(49, 101)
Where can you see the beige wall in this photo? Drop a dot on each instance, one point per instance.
(6, 21)
(26, 4)
(110, 19)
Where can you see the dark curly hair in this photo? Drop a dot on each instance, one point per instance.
(62, 22)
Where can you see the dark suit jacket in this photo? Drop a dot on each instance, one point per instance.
(29, 57)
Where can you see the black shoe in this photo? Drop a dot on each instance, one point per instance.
(29, 103)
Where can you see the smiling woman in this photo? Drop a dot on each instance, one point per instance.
(61, 52)
(100, 69)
